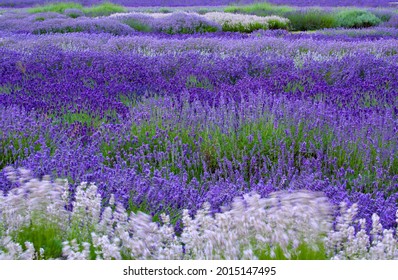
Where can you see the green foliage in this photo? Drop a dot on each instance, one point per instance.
(312, 19)
(260, 9)
(55, 7)
(44, 232)
(243, 28)
(137, 25)
(165, 11)
(356, 19)
(200, 28)
(302, 252)
(66, 29)
(83, 118)
(277, 24)
(383, 14)
(202, 11)
(104, 9)
(194, 82)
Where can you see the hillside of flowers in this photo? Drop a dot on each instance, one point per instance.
(230, 132)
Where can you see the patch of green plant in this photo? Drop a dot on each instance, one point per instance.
(83, 118)
(195, 82)
(302, 252)
(354, 18)
(137, 25)
(243, 28)
(42, 234)
(66, 29)
(202, 11)
(383, 15)
(277, 24)
(312, 19)
(104, 9)
(200, 28)
(260, 9)
(165, 11)
(19, 145)
(55, 7)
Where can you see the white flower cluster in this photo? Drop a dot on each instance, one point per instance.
(243, 20)
(279, 226)
(231, 22)
(344, 243)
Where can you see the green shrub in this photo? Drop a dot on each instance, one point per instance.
(55, 7)
(383, 15)
(137, 25)
(277, 24)
(165, 11)
(312, 19)
(104, 9)
(356, 19)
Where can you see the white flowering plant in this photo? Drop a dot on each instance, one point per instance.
(247, 23)
(35, 224)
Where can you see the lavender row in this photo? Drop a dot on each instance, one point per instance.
(127, 3)
(379, 42)
(334, 3)
(175, 153)
(171, 3)
(98, 84)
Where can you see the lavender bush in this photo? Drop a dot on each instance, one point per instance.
(173, 23)
(42, 23)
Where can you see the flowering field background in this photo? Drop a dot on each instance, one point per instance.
(179, 3)
(228, 132)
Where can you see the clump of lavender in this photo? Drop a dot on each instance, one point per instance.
(174, 23)
(185, 23)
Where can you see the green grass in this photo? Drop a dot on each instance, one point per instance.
(42, 234)
(104, 9)
(137, 25)
(55, 7)
(260, 9)
(302, 252)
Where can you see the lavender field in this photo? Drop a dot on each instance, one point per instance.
(200, 134)
(182, 3)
